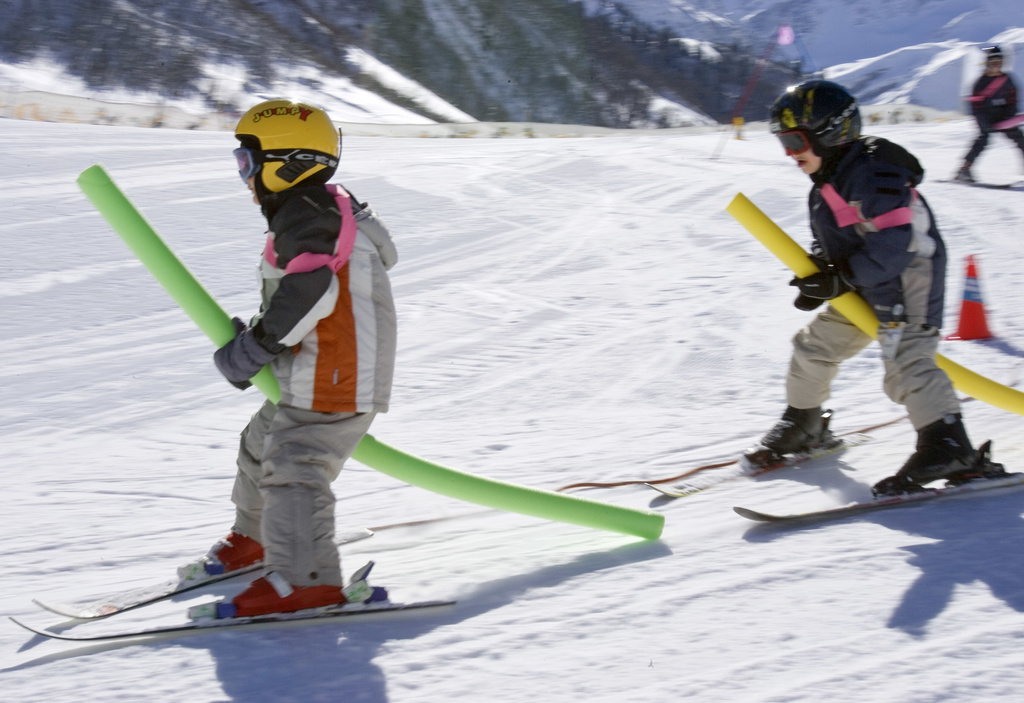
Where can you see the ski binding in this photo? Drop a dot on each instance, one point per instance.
(682, 490)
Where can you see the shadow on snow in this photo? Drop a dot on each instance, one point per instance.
(976, 540)
(335, 662)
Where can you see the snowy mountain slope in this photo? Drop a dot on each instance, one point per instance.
(910, 51)
(230, 85)
(569, 310)
(936, 75)
(651, 63)
(832, 31)
(445, 60)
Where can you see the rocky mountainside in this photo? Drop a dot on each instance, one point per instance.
(527, 60)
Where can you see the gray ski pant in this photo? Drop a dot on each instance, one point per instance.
(912, 379)
(287, 459)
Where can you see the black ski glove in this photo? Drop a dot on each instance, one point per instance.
(826, 284)
(806, 303)
(242, 357)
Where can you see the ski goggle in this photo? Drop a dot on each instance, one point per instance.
(794, 142)
(248, 162)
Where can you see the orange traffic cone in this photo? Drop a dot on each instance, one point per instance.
(972, 312)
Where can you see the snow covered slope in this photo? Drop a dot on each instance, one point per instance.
(570, 310)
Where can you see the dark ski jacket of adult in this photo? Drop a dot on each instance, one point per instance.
(900, 270)
(1000, 105)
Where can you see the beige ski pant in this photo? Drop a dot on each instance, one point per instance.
(287, 459)
(912, 379)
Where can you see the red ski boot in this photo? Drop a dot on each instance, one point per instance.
(273, 594)
(234, 552)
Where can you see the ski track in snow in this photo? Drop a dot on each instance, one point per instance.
(569, 310)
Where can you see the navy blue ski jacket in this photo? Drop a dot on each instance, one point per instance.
(900, 270)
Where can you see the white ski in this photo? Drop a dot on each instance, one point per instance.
(121, 601)
(348, 611)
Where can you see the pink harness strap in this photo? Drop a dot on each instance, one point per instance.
(989, 91)
(847, 214)
(309, 261)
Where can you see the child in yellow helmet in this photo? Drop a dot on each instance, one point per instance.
(327, 327)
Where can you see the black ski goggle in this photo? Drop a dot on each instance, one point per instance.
(794, 142)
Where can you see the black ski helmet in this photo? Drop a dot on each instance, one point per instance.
(993, 52)
(825, 110)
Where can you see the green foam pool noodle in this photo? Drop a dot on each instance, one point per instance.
(507, 496)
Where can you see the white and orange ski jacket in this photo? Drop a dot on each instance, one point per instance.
(327, 300)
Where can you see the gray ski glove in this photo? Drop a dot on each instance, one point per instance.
(242, 357)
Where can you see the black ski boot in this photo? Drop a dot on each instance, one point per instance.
(943, 450)
(964, 174)
(799, 430)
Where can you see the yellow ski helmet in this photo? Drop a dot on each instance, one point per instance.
(287, 142)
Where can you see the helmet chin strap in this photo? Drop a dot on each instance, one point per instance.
(262, 193)
(269, 200)
(830, 159)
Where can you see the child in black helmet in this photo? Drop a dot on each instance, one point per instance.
(993, 100)
(326, 327)
(873, 234)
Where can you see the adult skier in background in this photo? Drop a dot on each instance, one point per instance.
(993, 100)
(327, 327)
(873, 234)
